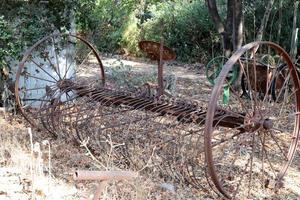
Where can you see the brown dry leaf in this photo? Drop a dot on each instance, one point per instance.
(40, 193)
(7, 154)
(3, 193)
(26, 183)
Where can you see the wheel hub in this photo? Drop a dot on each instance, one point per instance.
(65, 84)
(257, 121)
(267, 124)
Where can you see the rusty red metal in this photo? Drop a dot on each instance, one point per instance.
(185, 113)
(103, 177)
(27, 57)
(153, 50)
(163, 128)
(257, 118)
(157, 51)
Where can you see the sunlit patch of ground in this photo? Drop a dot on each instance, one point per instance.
(24, 175)
(21, 176)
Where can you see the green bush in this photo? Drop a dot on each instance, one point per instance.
(117, 27)
(107, 20)
(8, 51)
(254, 12)
(131, 35)
(185, 27)
(8, 46)
(22, 23)
(124, 77)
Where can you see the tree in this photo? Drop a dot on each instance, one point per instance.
(231, 31)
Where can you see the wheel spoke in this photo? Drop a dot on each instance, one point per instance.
(70, 64)
(32, 89)
(264, 122)
(275, 139)
(251, 164)
(56, 57)
(39, 78)
(53, 67)
(43, 69)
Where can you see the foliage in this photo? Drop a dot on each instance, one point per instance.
(8, 50)
(253, 12)
(113, 23)
(185, 26)
(33, 20)
(22, 23)
(8, 47)
(123, 76)
(118, 26)
(30, 21)
(84, 15)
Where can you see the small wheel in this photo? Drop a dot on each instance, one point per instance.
(267, 59)
(49, 64)
(250, 142)
(214, 67)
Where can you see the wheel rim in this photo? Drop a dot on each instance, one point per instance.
(214, 67)
(234, 157)
(46, 66)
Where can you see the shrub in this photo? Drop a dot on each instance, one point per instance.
(22, 23)
(8, 51)
(185, 27)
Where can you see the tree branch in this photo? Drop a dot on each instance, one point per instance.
(213, 10)
(264, 21)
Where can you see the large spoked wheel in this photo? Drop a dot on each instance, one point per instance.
(45, 69)
(251, 141)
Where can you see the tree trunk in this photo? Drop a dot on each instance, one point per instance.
(293, 47)
(232, 32)
(225, 37)
(263, 25)
(264, 21)
(229, 27)
(237, 34)
(279, 22)
(238, 24)
(213, 10)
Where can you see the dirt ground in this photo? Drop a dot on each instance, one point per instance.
(37, 166)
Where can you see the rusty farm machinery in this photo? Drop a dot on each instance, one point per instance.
(243, 146)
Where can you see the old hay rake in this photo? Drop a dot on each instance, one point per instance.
(244, 145)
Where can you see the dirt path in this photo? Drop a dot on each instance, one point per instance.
(191, 82)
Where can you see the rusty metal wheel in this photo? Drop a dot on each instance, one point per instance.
(251, 159)
(47, 67)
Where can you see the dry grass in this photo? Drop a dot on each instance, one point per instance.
(25, 174)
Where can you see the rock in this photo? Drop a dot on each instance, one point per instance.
(168, 187)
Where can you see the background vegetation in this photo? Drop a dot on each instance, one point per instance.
(116, 26)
